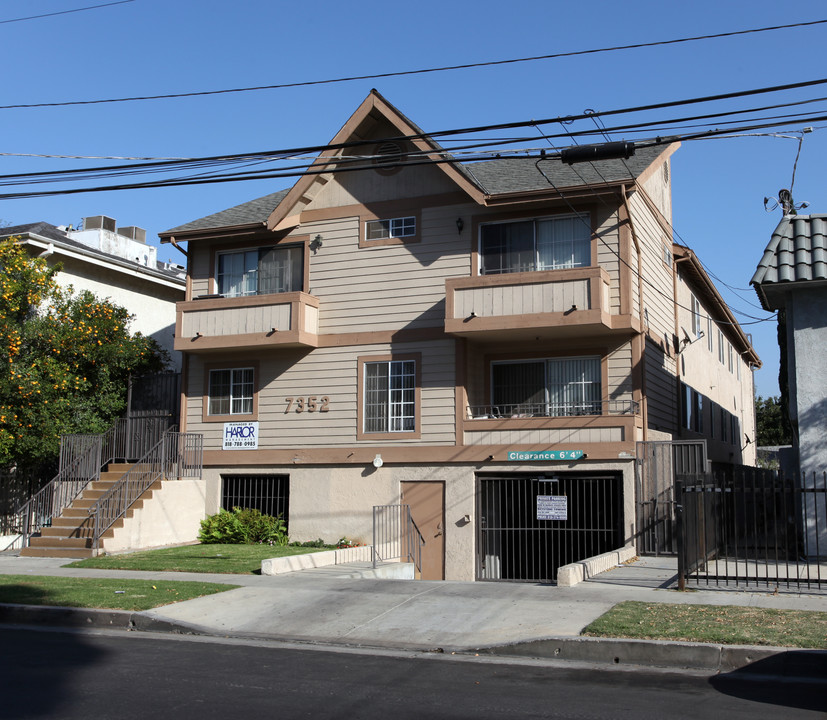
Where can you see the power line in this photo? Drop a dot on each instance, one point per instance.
(66, 12)
(401, 73)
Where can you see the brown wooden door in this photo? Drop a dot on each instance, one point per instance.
(427, 502)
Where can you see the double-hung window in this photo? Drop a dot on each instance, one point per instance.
(260, 271)
(390, 396)
(231, 391)
(697, 330)
(540, 244)
(551, 387)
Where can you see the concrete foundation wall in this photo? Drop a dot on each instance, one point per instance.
(171, 517)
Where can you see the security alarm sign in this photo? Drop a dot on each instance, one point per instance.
(552, 507)
(241, 436)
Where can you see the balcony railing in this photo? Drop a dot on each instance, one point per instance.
(249, 322)
(553, 409)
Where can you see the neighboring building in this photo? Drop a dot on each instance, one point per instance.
(486, 342)
(792, 278)
(114, 263)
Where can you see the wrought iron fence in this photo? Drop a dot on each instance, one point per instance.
(396, 536)
(553, 409)
(752, 527)
(175, 455)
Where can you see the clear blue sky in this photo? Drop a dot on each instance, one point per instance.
(149, 47)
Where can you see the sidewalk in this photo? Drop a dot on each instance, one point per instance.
(320, 606)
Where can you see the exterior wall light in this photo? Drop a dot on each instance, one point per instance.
(378, 462)
(460, 225)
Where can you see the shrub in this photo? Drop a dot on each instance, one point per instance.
(317, 543)
(243, 526)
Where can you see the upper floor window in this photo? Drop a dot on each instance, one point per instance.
(721, 349)
(529, 245)
(692, 409)
(553, 387)
(709, 342)
(390, 396)
(402, 227)
(230, 391)
(260, 271)
(697, 330)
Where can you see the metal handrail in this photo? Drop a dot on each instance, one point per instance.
(176, 455)
(553, 409)
(54, 497)
(396, 535)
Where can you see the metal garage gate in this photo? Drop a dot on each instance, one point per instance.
(531, 525)
(268, 493)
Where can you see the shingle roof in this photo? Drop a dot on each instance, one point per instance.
(508, 175)
(248, 213)
(797, 252)
(44, 229)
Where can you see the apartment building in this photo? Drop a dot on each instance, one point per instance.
(485, 342)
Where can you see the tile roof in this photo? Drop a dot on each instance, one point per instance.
(503, 175)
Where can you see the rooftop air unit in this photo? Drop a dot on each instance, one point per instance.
(133, 233)
(99, 222)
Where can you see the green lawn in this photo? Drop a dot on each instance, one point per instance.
(725, 624)
(212, 558)
(101, 593)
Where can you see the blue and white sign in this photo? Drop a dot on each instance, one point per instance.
(552, 507)
(545, 455)
(241, 436)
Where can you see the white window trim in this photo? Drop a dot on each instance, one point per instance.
(233, 384)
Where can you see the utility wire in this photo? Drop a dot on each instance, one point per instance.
(66, 12)
(401, 73)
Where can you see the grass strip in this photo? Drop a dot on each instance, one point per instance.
(108, 593)
(724, 624)
(210, 558)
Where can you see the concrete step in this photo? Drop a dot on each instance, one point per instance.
(57, 552)
(65, 531)
(60, 543)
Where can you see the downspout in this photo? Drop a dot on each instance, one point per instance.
(50, 249)
(175, 244)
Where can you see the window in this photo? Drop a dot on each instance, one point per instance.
(730, 355)
(696, 317)
(390, 396)
(231, 391)
(721, 350)
(692, 409)
(709, 342)
(735, 438)
(260, 271)
(558, 387)
(394, 228)
(725, 423)
(667, 255)
(529, 245)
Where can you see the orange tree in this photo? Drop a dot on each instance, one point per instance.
(65, 359)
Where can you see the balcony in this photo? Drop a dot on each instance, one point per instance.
(521, 306)
(255, 322)
(610, 427)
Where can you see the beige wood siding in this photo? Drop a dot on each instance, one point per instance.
(237, 321)
(543, 437)
(661, 389)
(199, 263)
(608, 249)
(621, 386)
(522, 299)
(385, 287)
(331, 373)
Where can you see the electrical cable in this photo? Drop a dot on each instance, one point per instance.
(421, 71)
(66, 12)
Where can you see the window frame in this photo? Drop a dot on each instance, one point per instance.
(362, 394)
(697, 330)
(383, 212)
(206, 416)
(301, 241)
(585, 217)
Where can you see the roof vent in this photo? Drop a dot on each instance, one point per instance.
(133, 233)
(99, 222)
(387, 157)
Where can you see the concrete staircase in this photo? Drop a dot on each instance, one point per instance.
(70, 534)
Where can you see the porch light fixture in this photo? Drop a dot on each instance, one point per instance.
(316, 243)
(460, 225)
(378, 462)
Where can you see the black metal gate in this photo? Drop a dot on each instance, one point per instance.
(751, 526)
(269, 494)
(531, 525)
(656, 467)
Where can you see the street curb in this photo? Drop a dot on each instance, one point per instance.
(787, 662)
(55, 616)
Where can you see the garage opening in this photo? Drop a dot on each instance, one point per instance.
(268, 493)
(531, 525)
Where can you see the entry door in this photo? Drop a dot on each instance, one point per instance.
(427, 503)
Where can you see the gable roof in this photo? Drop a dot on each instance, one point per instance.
(796, 254)
(485, 182)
